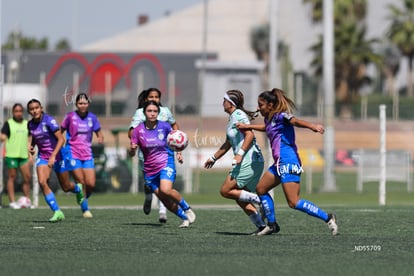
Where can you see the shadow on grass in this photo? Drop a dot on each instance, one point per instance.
(232, 233)
(144, 224)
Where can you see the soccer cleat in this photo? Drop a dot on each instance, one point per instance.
(14, 205)
(258, 230)
(57, 216)
(87, 214)
(269, 229)
(148, 200)
(332, 225)
(185, 224)
(79, 196)
(162, 218)
(190, 215)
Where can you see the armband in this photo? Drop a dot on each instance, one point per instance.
(213, 158)
(241, 152)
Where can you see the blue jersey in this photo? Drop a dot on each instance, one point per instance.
(153, 144)
(43, 135)
(281, 134)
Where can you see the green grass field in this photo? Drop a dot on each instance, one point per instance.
(121, 240)
(372, 241)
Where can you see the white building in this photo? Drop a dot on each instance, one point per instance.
(228, 30)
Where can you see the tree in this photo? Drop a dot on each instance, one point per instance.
(390, 65)
(353, 52)
(259, 42)
(401, 33)
(16, 40)
(63, 45)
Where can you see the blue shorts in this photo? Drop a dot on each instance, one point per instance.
(287, 172)
(153, 181)
(74, 164)
(58, 167)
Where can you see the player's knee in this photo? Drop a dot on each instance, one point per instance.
(224, 192)
(90, 186)
(66, 189)
(260, 191)
(292, 203)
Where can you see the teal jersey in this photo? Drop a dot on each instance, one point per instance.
(164, 116)
(236, 137)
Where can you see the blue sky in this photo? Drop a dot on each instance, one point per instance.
(80, 22)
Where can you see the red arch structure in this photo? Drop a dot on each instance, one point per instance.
(104, 63)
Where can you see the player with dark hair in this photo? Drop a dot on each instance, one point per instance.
(45, 134)
(80, 125)
(15, 134)
(279, 122)
(158, 164)
(248, 163)
(153, 94)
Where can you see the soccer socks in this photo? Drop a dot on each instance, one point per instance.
(84, 205)
(181, 214)
(268, 207)
(311, 209)
(77, 189)
(184, 205)
(51, 201)
(257, 220)
(246, 196)
(162, 208)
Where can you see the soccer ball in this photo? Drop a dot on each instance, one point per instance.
(177, 140)
(24, 202)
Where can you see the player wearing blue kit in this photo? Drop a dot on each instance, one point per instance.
(277, 111)
(80, 126)
(248, 162)
(165, 115)
(45, 134)
(158, 165)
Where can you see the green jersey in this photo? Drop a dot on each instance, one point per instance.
(236, 137)
(16, 145)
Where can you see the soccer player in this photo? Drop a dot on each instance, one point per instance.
(277, 110)
(159, 167)
(80, 126)
(44, 132)
(248, 162)
(15, 134)
(165, 115)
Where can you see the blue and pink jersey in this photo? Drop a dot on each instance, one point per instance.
(153, 144)
(281, 135)
(43, 135)
(80, 133)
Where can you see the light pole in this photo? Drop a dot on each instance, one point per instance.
(273, 10)
(201, 80)
(329, 90)
(1, 108)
